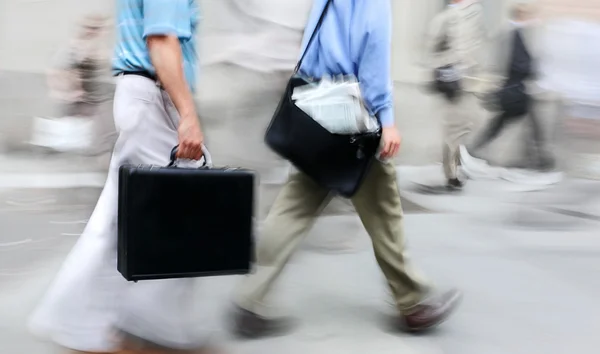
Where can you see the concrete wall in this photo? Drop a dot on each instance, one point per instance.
(31, 31)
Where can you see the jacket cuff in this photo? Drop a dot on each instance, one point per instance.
(386, 117)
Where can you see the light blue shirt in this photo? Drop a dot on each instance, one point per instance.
(138, 19)
(355, 39)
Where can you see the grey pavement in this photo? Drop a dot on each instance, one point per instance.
(572, 202)
(526, 291)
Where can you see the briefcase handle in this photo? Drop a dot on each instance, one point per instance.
(206, 158)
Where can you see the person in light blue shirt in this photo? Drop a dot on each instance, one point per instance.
(156, 40)
(91, 308)
(139, 19)
(354, 39)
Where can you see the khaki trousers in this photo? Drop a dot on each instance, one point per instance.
(457, 124)
(294, 212)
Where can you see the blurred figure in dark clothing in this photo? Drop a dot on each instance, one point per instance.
(518, 64)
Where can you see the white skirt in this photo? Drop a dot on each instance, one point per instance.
(90, 303)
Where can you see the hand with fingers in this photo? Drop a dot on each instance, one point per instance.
(190, 139)
(390, 142)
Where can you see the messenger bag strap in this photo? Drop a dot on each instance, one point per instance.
(312, 36)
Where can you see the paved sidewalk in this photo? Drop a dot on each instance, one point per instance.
(333, 286)
(30, 169)
(528, 200)
(577, 197)
(62, 175)
(523, 292)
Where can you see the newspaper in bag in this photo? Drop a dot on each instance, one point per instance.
(336, 105)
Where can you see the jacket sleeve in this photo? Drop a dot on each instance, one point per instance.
(435, 35)
(374, 67)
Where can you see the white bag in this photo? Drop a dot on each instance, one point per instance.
(336, 105)
(73, 134)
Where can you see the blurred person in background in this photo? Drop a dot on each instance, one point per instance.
(250, 51)
(517, 58)
(79, 82)
(455, 38)
(91, 308)
(354, 39)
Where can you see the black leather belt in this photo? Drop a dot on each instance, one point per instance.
(141, 73)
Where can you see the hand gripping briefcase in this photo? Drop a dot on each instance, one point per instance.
(184, 222)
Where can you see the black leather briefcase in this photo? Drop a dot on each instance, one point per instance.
(184, 222)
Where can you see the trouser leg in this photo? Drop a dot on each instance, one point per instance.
(290, 217)
(456, 125)
(451, 158)
(491, 131)
(380, 210)
(536, 128)
(540, 149)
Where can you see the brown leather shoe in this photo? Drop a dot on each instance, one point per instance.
(432, 313)
(247, 324)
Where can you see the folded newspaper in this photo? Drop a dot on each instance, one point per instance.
(336, 104)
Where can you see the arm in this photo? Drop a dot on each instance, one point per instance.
(165, 23)
(374, 72)
(473, 51)
(374, 67)
(165, 53)
(435, 34)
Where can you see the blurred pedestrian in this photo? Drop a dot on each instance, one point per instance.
(78, 81)
(455, 38)
(354, 39)
(90, 307)
(254, 42)
(517, 62)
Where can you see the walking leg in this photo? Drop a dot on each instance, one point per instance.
(490, 132)
(457, 124)
(543, 159)
(379, 207)
(290, 217)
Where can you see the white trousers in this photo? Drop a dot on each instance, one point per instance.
(90, 302)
